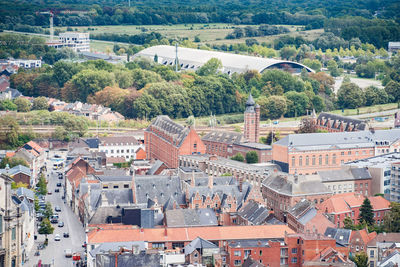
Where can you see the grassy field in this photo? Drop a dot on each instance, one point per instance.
(208, 33)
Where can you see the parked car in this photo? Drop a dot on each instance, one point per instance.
(60, 224)
(68, 253)
(57, 209)
(57, 237)
(66, 234)
(57, 190)
(59, 185)
(49, 193)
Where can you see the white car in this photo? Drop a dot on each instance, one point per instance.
(57, 237)
(68, 253)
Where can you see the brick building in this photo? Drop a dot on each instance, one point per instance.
(348, 180)
(264, 152)
(304, 217)
(19, 174)
(282, 191)
(312, 152)
(340, 206)
(220, 143)
(252, 120)
(359, 240)
(166, 140)
(336, 123)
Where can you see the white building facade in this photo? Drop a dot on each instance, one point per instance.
(120, 146)
(77, 41)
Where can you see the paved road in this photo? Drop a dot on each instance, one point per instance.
(54, 252)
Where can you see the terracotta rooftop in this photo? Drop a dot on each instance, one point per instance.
(187, 234)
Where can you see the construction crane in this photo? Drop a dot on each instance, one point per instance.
(51, 23)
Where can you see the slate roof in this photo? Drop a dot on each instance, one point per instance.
(92, 142)
(114, 178)
(359, 125)
(250, 103)
(320, 141)
(300, 208)
(17, 169)
(198, 243)
(22, 191)
(177, 132)
(349, 174)
(190, 217)
(254, 213)
(384, 238)
(223, 191)
(252, 243)
(157, 164)
(392, 260)
(253, 145)
(283, 183)
(223, 137)
(221, 180)
(151, 187)
(342, 236)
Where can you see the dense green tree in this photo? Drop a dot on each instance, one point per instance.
(45, 227)
(333, 68)
(210, 67)
(288, 53)
(42, 185)
(315, 64)
(365, 71)
(60, 133)
(63, 71)
(48, 210)
(238, 157)
(251, 157)
(393, 91)
(375, 96)
(366, 213)
(40, 103)
(348, 223)
(272, 107)
(123, 78)
(297, 103)
(350, 95)
(23, 104)
(142, 77)
(7, 105)
(12, 162)
(271, 138)
(284, 79)
(90, 81)
(9, 136)
(392, 219)
(361, 259)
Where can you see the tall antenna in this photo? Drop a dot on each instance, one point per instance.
(176, 57)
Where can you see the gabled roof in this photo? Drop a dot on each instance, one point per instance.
(190, 217)
(345, 174)
(359, 125)
(157, 164)
(19, 169)
(342, 236)
(173, 130)
(186, 234)
(115, 246)
(198, 243)
(21, 191)
(392, 260)
(254, 213)
(223, 137)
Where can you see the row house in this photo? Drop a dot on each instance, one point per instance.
(348, 179)
(171, 238)
(340, 206)
(166, 140)
(336, 123)
(282, 191)
(35, 156)
(19, 174)
(225, 195)
(312, 152)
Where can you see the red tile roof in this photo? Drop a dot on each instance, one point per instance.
(102, 234)
(319, 224)
(343, 203)
(35, 146)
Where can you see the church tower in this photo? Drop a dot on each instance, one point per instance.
(252, 120)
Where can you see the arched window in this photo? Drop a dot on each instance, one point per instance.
(326, 159)
(307, 160)
(293, 161)
(320, 160)
(334, 159)
(301, 161)
(313, 160)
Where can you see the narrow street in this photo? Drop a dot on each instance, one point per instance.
(54, 252)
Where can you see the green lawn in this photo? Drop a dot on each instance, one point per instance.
(208, 33)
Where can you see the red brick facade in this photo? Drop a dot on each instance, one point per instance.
(252, 121)
(166, 141)
(22, 178)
